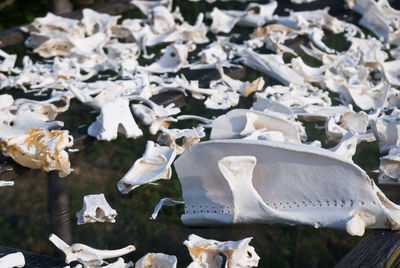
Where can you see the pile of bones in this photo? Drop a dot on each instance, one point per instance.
(245, 172)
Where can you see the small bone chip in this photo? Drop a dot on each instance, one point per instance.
(160, 260)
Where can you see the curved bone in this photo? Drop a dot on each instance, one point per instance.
(347, 145)
(18, 118)
(155, 164)
(173, 59)
(241, 122)
(12, 260)
(389, 168)
(272, 65)
(163, 20)
(205, 252)
(387, 132)
(85, 254)
(246, 181)
(95, 209)
(120, 263)
(221, 21)
(159, 260)
(164, 202)
(190, 136)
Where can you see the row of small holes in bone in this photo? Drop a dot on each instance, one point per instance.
(207, 209)
(293, 204)
(317, 203)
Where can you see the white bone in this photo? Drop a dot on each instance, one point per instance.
(309, 73)
(221, 21)
(247, 181)
(357, 122)
(205, 252)
(12, 260)
(7, 65)
(387, 132)
(87, 255)
(264, 104)
(241, 122)
(18, 118)
(159, 260)
(389, 168)
(6, 183)
(392, 72)
(164, 202)
(173, 59)
(163, 21)
(115, 117)
(155, 164)
(190, 136)
(347, 145)
(120, 263)
(95, 209)
(95, 22)
(316, 36)
(272, 65)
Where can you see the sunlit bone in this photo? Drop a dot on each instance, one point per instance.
(115, 117)
(164, 202)
(12, 260)
(147, 6)
(239, 123)
(173, 59)
(159, 260)
(17, 117)
(87, 255)
(205, 252)
(8, 62)
(221, 21)
(347, 145)
(389, 168)
(95, 22)
(40, 148)
(189, 137)
(120, 263)
(387, 132)
(392, 72)
(245, 181)
(163, 21)
(264, 104)
(272, 65)
(95, 209)
(155, 164)
(195, 34)
(379, 17)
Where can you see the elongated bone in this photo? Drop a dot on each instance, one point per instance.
(85, 254)
(155, 164)
(6, 183)
(164, 202)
